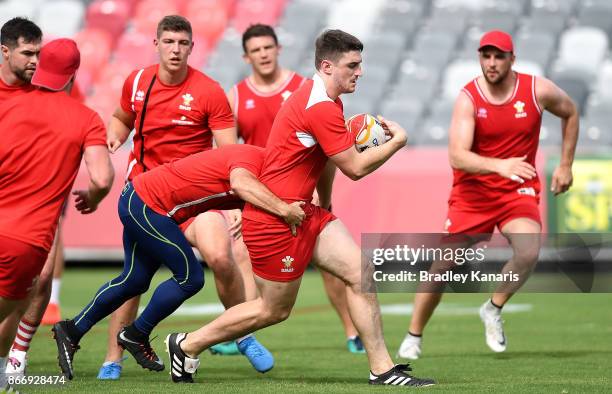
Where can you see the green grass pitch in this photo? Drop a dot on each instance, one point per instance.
(563, 344)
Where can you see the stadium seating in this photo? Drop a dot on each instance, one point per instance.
(415, 82)
(574, 83)
(545, 21)
(61, 18)
(418, 53)
(535, 46)
(257, 11)
(550, 132)
(149, 12)
(495, 19)
(597, 14)
(297, 31)
(528, 67)
(433, 49)
(582, 49)
(406, 112)
(12, 8)
(228, 47)
(435, 129)
(109, 15)
(401, 16)
(208, 18)
(136, 47)
(595, 132)
(95, 46)
(602, 91)
(457, 74)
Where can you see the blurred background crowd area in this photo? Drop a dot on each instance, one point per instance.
(418, 53)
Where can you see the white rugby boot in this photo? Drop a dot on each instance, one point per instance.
(494, 327)
(410, 347)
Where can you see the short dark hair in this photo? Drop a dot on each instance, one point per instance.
(175, 23)
(19, 28)
(332, 44)
(258, 30)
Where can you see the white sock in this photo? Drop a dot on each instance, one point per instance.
(414, 338)
(490, 308)
(18, 354)
(243, 338)
(120, 361)
(56, 284)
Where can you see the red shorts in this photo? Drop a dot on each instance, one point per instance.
(20, 265)
(275, 253)
(465, 219)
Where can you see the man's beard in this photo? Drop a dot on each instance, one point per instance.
(23, 75)
(500, 78)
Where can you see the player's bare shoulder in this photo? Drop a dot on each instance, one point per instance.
(464, 104)
(552, 98)
(546, 91)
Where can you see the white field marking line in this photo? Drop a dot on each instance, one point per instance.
(388, 309)
(451, 309)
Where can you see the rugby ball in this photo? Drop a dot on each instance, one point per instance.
(367, 131)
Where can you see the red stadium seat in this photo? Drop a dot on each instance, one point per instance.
(227, 5)
(150, 12)
(200, 52)
(111, 78)
(181, 5)
(208, 19)
(95, 47)
(108, 15)
(257, 11)
(103, 103)
(106, 92)
(136, 48)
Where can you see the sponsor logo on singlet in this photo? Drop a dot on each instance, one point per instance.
(140, 95)
(520, 110)
(249, 104)
(482, 113)
(285, 95)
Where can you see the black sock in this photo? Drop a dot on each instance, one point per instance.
(136, 334)
(415, 335)
(72, 331)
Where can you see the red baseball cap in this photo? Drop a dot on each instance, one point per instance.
(498, 39)
(59, 60)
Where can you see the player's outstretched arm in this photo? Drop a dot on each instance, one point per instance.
(356, 165)
(461, 137)
(554, 99)
(248, 188)
(101, 175)
(119, 128)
